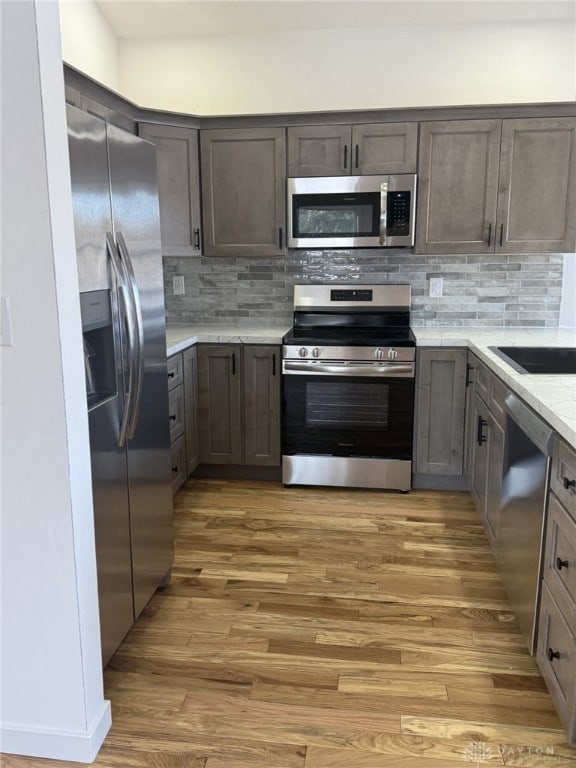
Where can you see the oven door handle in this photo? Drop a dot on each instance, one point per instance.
(390, 369)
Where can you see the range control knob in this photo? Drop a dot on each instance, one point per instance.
(392, 354)
(302, 351)
(316, 352)
(378, 353)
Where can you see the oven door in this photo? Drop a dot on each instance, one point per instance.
(348, 410)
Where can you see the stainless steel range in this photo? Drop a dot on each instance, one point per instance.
(348, 387)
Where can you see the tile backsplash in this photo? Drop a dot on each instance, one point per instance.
(478, 291)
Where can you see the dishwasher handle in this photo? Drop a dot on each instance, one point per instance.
(532, 425)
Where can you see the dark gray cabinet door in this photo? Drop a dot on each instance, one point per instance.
(219, 404)
(178, 187)
(261, 374)
(457, 186)
(537, 187)
(341, 150)
(384, 148)
(244, 191)
(440, 408)
(190, 357)
(319, 150)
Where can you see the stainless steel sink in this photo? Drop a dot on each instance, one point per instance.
(539, 359)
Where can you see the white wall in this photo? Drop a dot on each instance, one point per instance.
(342, 69)
(88, 43)
(52, 701)
(568, 305)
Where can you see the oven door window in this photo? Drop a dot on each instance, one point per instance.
(348, 416)
(356, 214)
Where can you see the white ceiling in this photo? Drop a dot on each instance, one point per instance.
(158, 19)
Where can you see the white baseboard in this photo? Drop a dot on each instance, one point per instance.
(58, 745)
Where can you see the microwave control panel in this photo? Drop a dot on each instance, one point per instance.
(398, 213)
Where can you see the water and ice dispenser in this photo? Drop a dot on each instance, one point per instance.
(98, 333)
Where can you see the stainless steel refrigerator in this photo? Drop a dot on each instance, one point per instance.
(117, 228)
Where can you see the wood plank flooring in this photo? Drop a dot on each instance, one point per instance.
(326, 628)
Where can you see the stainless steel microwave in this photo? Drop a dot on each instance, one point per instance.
(352, 211)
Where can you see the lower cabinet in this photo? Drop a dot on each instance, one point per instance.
(183, 406)
(190, 370)
(485, 445)
(239, 404)
(556, 649)
(439, 417)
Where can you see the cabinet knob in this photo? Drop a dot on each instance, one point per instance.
(171, 375)
(172, 417)
(174, 470)
(561, 563)
(568, 483)
(551, 655)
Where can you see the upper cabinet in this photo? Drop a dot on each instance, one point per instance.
(96, 108)
(497, 186)
(178, 187)
(537, 186)
(341, 150)
(244, 191)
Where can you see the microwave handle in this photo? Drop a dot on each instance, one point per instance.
(383, 211)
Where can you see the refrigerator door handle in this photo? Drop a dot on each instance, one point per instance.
(122, 280)
(138, 350)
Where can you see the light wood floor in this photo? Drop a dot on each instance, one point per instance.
(326, 628)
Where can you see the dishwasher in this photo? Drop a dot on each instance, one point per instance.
(525, 477)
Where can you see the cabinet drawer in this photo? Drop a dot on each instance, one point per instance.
(176, 412)
(178, 462)
(563, 480)
(175, 371)
(556, 658)
(482, 381)
(560, 558)
(498, 392)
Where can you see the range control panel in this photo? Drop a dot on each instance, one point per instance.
(351, 294)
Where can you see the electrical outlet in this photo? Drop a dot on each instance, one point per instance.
(178, 286)
(436, 286)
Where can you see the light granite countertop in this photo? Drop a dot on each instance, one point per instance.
(178, 337)
(552, 396)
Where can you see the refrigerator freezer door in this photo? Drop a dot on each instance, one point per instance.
(136, 222)
(90, 197)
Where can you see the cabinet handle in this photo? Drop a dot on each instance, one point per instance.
(501, 234)
(345, 155)
(172, 417)
(233, 363)
(568, 483)
(561, 563)
(489, 234)
(197, 238)
(551, 655)
(171, 374)
(280, 238)
(480, 436)
(468, 379)
(274, 364)
(357, 158)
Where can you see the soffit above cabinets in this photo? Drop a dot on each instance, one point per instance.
(161, 19)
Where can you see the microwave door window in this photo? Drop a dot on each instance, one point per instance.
(336, 215)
